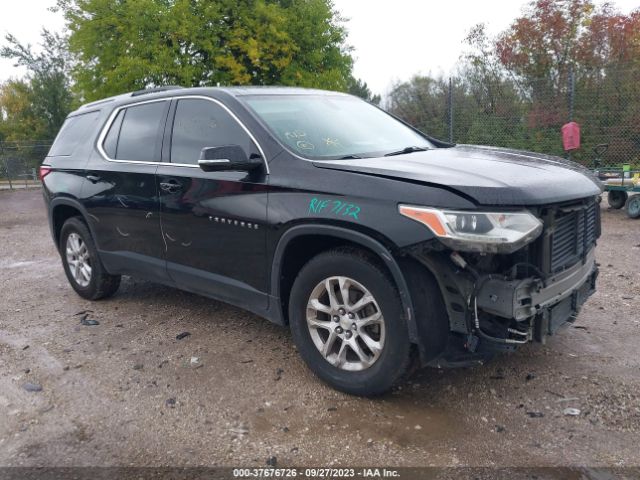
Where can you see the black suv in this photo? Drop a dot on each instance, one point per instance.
(376, 244)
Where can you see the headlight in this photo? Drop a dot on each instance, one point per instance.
(490, 232)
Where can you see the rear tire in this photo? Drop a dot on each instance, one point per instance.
(617, 198)
(81, 262)
(363, 332)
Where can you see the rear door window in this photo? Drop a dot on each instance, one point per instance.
(136, 133)
(74, 130)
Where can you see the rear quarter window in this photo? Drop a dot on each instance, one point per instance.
(74, 130)
(110, 143)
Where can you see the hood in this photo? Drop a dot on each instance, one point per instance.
(488, 175)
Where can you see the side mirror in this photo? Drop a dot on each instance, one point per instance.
(227, 158)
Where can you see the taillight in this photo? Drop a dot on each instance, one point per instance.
(44, 171)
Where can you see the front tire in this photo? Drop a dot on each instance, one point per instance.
(83, 267)
(347, 321)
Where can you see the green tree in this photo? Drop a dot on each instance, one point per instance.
(44, 94)
(422, 102)
(125, 45)
(18, 120)
(316, 31)
(360, 89)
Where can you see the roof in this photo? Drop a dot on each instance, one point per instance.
(238, 91)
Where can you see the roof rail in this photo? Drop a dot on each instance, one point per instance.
(97, 102)
(154, 90)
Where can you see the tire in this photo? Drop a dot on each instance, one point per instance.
(633, 206)
(387, 360)
(77, 244)
(617, 198)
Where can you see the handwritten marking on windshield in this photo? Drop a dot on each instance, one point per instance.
(295, 134)
(337, 207)
(304, 145)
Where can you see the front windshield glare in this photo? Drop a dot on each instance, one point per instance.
(333, 126)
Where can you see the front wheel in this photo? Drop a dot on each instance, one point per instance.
(346, 320)
(83, 267)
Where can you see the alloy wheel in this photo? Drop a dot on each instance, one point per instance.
(345, 323)
(78, 259)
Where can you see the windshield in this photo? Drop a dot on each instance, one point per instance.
(333, 126)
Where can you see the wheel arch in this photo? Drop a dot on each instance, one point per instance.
(285, 265)
(61, 210)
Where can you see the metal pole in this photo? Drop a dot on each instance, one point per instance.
(450, 110)
(6, 170)
(572, 93)
(572, 89)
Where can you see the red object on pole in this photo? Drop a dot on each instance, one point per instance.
(571, 136)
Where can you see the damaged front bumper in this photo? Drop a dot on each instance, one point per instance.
(490, 312)
(555, 300)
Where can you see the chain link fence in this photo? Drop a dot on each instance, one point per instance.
(529, 115)
(485, 110)
(19, 162)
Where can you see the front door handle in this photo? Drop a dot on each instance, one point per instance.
(170, 186)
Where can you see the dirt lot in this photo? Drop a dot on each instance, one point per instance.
(124, 393)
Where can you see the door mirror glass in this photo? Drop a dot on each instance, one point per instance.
(227, 157)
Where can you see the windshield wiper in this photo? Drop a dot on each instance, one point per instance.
(407, 150)
(349, 157)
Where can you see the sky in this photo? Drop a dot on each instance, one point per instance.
(392, 39)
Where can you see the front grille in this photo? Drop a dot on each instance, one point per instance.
(592, 221)
(574, 232)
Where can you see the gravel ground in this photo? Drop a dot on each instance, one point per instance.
(124, 392)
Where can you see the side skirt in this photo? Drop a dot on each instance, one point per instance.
(193, 280)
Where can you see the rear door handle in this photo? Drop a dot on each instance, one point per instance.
(93, 178)
(171, 186)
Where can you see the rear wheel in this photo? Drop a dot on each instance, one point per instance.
(633, 206)
(617, 198)
(346, 320)
(83, 267)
